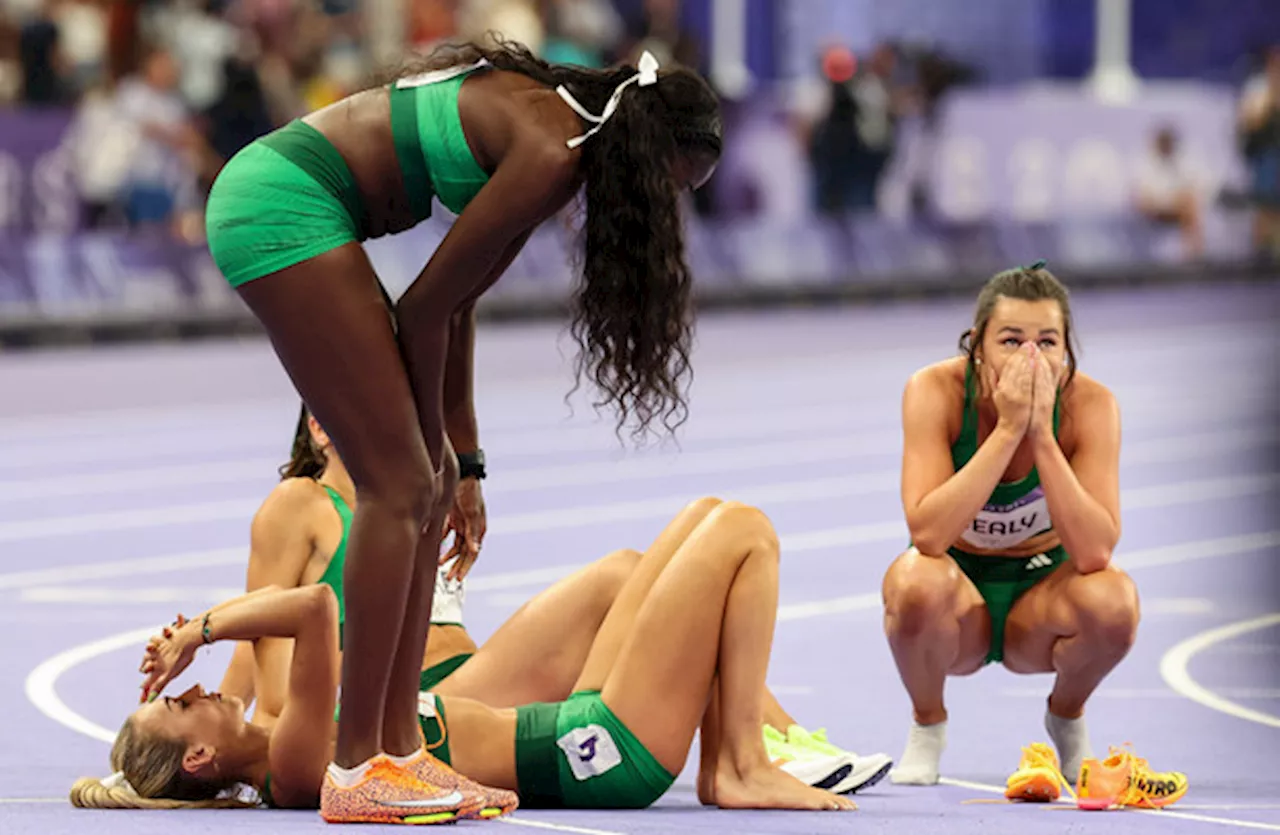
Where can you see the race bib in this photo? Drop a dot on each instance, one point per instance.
(590, 751)
(997, 527)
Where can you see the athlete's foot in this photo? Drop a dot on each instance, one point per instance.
(768, 787)
(706, 787)
(919, 763)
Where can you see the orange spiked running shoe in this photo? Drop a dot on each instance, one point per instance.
(389, 794)
(491, 802)
(1125, 779)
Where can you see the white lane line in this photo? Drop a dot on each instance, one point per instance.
(763, 495)
(183, 561)
(1166, 812)
(765, 455)
(555, 827)
(1260, 693)
(81, 596)
(1174, 669)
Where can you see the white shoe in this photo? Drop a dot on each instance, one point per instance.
(867, 770)
(820, 772)
(446, 604)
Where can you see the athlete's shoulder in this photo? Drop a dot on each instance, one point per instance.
(291, 501)
(939, 379)
(1087, 393)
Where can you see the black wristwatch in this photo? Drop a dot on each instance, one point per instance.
(471, 464)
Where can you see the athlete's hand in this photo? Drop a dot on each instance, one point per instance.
(1014, 391)
(167, 655)
(468, 523)
(1046, 381)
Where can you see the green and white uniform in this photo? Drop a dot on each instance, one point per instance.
(289, 196)
(1014, 513)
(574, 754)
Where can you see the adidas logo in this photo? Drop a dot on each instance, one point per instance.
(1038, 561)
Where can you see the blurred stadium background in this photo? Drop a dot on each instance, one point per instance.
(873, 146)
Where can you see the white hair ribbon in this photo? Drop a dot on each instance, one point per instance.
(117, 781)
(647, 74)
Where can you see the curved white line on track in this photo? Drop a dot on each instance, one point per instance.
(41, 683)
(1175, 663)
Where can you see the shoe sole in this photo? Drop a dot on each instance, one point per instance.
(1036, 787)
(412, 817)
(493, 812)
(867, 782)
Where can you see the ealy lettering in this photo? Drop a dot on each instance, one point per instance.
(1024, 524)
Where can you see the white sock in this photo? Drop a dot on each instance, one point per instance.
(406, 760)
(919, 763)
(345, 778)
(1071, 738)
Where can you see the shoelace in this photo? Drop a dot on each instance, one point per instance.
(820, 737)
(1135, 794)
(1039, 756)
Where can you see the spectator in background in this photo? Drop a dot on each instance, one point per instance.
(516, 20)
(43, 64)
(431, 22)
(878, 104)
(660, 32)
(82, 38)
(161, 184)
(833, 138)
(203, 41)
(10, 63)
(1260, 134)
(848, 122)
(1166, 192)
(582, 32)
(240, 115)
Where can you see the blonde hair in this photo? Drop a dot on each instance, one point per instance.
(149, 775)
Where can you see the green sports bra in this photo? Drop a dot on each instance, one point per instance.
(431, 146)
(333, 572)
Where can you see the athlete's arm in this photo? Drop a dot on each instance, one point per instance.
(941, 503)
(307, 616)
(459, 382)
(533, 180)
(1083, 493)
(280, 544)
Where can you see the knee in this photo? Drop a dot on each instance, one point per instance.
(748, 524)
(919, 595)
(615, 569)
(406, 488)
(1106, 608)
(701, 508)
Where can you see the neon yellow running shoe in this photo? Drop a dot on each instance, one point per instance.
(811, 768)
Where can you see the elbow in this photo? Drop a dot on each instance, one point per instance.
(1092, 560)
(926, 540)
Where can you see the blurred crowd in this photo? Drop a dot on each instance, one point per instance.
(165, 91)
